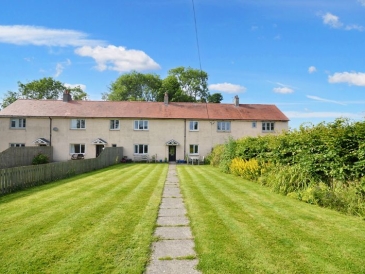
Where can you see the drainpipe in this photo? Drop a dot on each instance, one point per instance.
(50, 131)
(184, 138)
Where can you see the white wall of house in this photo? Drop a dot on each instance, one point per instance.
(158, 133)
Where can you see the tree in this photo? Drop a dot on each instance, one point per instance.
(45, 88)
(171, 86)
(215, 98)
(9, 98)
(134, 86)
(192, 81)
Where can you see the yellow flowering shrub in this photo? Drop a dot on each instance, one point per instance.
(247, 169)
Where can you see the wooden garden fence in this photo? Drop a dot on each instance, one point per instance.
(16, 178)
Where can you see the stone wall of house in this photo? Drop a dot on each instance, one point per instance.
(23, 156)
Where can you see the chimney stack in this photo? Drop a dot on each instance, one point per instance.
(236, 101)
(166, 99)
(67, 96)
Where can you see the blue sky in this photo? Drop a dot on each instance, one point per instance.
(305, 56)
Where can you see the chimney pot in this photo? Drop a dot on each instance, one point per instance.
(166, 99)
(67, 96)
(236, 101)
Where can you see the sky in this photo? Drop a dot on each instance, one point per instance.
(305, 56)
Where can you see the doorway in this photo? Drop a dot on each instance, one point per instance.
(99, 149)
(172, 153)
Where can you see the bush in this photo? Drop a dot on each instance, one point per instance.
(40, 159)
(247, 169)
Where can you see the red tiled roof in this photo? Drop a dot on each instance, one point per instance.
(126, 109)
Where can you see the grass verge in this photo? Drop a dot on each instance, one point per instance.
(241, 227)
(99, 222)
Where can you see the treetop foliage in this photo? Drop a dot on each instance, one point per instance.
(181, 84)
(45, 88)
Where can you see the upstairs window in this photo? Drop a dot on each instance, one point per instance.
(18, 123)
(254, 124)
(194, 126)
(194, 149)
(141, 125)
(114, 124)
(268, 126)
(78, 123)
(224, 126)
(140, 149)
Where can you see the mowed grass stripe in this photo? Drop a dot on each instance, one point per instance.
(235, 220)
(70, 198)
(93, 229)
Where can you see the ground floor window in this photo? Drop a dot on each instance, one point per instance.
(194, 149)
(17, 145)
(140, 149)
(77, 148)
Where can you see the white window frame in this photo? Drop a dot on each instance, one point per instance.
(268, 126)
(78, 123)
(254, 124)
(194, 126)
(193, 149)
(114, 124)
(224, 126)
(17, 145)
(81, 149)
(18, 123)
(141, 125)
(140, 149)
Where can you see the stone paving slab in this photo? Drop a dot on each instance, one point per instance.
(172, 212)
(172, 203)
(174, 233)
(172, 192)
(173, 267)
(172, 248)
(172, 221)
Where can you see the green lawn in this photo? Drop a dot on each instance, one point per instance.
(241, 227)
(100, 222)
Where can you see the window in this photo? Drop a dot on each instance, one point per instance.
(194, 125)
(77, 148)
(114, 124)
(141, 125)
(254, 124)
(224, 126)
(140, 149)
(18, 123)
(78, 123)
(194, 149)
(268, 126)
(114, 145)
(17, 145)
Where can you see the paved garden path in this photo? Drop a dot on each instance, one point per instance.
(174, 252)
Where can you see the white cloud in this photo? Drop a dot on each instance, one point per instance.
(352, 78)
(298, 114)
(316, 98)
(312, 69)
(118, 58)
(83, 87)
(61, 66)
(334, 22)
(283, 90)
(40, 36)
(362, 2)
(227, 87)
